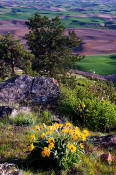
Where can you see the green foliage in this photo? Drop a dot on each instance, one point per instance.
(13, 54)
(62, 144)
(99, 114)
(88, 107)
(45, 116)
(1, 79)
(22, 119)
(52, 49)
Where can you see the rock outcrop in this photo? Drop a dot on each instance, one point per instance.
(42, 90)
(9, 169)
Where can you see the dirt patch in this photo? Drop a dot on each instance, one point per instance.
(94, 41)
(16, 27)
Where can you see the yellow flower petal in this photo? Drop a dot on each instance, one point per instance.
(36, 128)
(42, 135)
(31, 147)
(81, 145)
(51, 146)
(51, 140)
(32, 137)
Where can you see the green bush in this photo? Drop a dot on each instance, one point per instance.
(22, 119)
(99, 115)
(45, 116)
(87, 109)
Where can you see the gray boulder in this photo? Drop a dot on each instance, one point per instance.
(9, 169)
(42, 90)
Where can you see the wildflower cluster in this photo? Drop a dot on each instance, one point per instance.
(62, 142)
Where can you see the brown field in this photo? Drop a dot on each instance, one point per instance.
(16, 27)
(94, 41)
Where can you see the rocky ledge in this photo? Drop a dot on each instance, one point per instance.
(9, 169)
(42, 90)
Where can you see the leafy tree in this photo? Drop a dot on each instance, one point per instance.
(12, 54)
(51, 46)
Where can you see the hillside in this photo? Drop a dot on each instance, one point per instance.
(58, 87)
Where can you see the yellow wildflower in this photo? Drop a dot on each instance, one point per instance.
(32, 137)
(50, 128)
(45, 148)
(31, 147)
(83, 137)
(65, 130)
(71, 147)
(81, 110)
(71, 131)
(51, 146)
(42, 135)
(53, 128)
(78, 133)
(43, 126)
(56, 125)
(74, 137)
(86, 132)
(51, 140)
(77, 128)
(83, 105)
(36, 128)
(47, 133)
(68, 124)
(45, 152)
(60, 125)
(81, 145)
(68, 146)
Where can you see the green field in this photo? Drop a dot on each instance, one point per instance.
(65, 9)
(99, 64)
(92, 22)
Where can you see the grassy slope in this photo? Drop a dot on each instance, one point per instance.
(14, 140)
(100, 64)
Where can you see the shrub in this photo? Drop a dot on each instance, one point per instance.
(58, 143)
(22, 119)
(99, 115)
(88, 110)
(45, 116)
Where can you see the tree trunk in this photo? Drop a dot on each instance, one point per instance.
(13, 68)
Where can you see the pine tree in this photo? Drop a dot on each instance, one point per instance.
(51, 47)
(12, 54)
